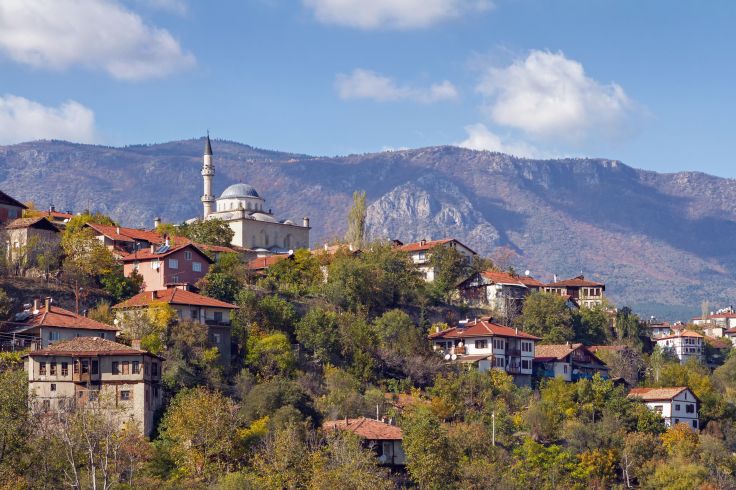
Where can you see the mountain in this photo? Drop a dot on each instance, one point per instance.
(661, 242)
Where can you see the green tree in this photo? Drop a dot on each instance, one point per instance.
(547, 315)
(450, 267)
(592, 325)
(543, 467)
(15, 421)
(208, 232)
(431, 460)
(6, 305)
(300, 275)
(628, 325)
(344, 463)
(397, 332)
(200, 427)
(356, 220)
(318, 332)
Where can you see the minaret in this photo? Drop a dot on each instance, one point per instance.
(208, 171)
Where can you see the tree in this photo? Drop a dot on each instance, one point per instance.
(299, 275)
(200, 427)
(15, 421)
(270, 355)
(547, 316)
(6, 305)
(592, 325)
(317, 331)
(209, 232)
(356, 220)
(86, 260)
(628, 325)
(430, 459)
(343, 463)
(543, 467)
(397, 332)
(450, 267)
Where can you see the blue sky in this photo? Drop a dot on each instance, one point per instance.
(648, 83)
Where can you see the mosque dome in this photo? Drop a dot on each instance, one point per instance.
(239, 190)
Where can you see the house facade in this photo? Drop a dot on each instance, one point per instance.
(122, 241)
(28, 238)
(684, 345)
(570, 362)
(44, 324)
(717, 323)
(215, 314)
(579, 290)
(676, 405)
(421, 251)
(384, 439)
(85, 370)
(501, 291)
(10, 208)
(167, 264)
(488, 345)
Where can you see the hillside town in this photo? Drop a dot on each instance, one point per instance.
(224, 352)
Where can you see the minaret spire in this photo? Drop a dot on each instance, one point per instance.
(208, 172)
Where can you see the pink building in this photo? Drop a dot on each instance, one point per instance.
(164, 265)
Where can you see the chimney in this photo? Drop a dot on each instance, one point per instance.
(156, 222)
(117, 230)
(153, 248)
(35, 304)
(153, 295)
(305, 222)
(423, 241)
(52, 208)
(554, 277)
(136, 344)
(166, 242)
(47, 302)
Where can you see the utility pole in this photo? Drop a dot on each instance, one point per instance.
(493, 432)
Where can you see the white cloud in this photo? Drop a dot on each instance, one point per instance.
(481, 138)
(94, 33)
(366, 84)
(392, 14)
(22, 119)
(549, 95)
(179, 7)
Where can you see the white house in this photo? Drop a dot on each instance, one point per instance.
(684, 345)
(421, 251)
(676, 405)
(502, 291)
(489, 346)
(385, 440)
(717, 323)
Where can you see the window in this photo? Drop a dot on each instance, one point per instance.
(658, 408)
(92, 395)
(689, 408)
(173, 263)
(175, 278)
(677, 421)
(42, 368)
(136, 367)
(218, 316)
(498, 344)
(481, 344)
(85, 367)
(52, 387)
(695, 424)
(54, 336)
(126, 367)
(95, 367)
(115, 367)
(197, 266)
(188, 255)
(155, 264)
(195, 313)
(677, 407)
(124, 395)
(65, 369)
(564, 369)
(524, 364)
(52, 369)
(154, 369)
(216, 338)
(526, 346)
(76, 367)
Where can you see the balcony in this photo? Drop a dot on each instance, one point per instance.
(513, 368)
(513, 351)
(215, 323)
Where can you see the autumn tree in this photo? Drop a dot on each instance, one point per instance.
(430, 458)
(208, 232)
(200, 427)
(547, 315)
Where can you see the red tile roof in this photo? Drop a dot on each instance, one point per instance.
(715, 316)
(123, 234)
(499, 277)
(554, 351)
(683, 333)
(173, 296)
(61, 318)
(429, 244)
(262, 263)
(41, 221)
(87, 346)
(372, 430)
(146, 254)
(656, 394)
(481, 328)
(574, 282)
(58, 215)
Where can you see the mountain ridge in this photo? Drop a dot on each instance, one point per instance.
(659, 240)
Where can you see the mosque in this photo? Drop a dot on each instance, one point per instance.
(243, 209)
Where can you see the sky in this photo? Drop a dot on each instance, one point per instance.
(648, 83)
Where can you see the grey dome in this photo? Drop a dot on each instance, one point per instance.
(264, 217)
(240, 190)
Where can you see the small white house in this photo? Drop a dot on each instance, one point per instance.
(684, 345)
(677, 405)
